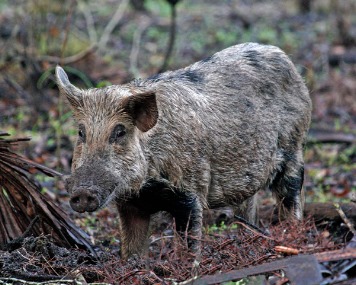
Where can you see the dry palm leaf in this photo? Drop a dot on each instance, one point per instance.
(23, 209)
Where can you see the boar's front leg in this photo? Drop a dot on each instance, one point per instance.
(134, 225)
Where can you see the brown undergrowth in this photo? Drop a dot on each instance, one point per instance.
(168, 259)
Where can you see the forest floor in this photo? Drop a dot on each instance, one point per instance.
(38, 35)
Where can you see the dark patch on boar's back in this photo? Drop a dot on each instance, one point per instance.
(268, 88)
(156, 77)
(254, 58)
(156, 196)
(192, 76)
(208, 59)
(249, 104)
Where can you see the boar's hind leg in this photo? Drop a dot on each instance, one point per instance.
(188, 215)
(287, 188)
(248, 210)
(134, 225)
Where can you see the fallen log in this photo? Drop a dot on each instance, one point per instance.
(336, 58)
(329, 136)
(318, 211)
(339, 254)
(301, 269)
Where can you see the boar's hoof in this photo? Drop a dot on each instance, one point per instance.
(82, 200)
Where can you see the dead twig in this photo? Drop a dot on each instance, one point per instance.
(172, 35)
(89, 20)
(344, 218)
(212, 270)
(222, 245)
(252, 227)
(285, 249)
(329, 136)
(339, 254)
(144, 23)
(67, 26)
(69, 59)
(120, 11)
(15, 243)
(262, 258)
(140, 272)
(95, 44)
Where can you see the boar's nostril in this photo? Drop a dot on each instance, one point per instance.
(75, 200)
(93, 203)
(83, 200)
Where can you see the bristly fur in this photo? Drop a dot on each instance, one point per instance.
(209, 135)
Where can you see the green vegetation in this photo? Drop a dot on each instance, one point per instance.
(220, 228)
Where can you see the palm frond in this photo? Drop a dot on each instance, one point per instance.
(21, 202)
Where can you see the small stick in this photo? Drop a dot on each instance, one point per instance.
(344, 218)
(252, 227)
(285, 249)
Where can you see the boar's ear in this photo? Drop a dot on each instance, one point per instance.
(143, 109)
(72, 93)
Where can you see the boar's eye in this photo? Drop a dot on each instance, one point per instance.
(117, 134)
(81, 133)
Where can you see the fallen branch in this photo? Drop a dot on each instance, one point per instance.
(318, 211)
(340, 254)
(120, 11)
(346, 57)
(96, 44)
(329, 136)
(172, 35)
(144, 24)
(251, 227)
(302, 269)
(345, 218)
(69, 59)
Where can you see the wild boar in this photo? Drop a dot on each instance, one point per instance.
(205, 136)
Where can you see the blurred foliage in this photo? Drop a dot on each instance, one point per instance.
(219, 229)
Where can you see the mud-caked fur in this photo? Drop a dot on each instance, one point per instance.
(209, 135)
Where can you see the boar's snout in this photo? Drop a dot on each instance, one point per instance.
(83, 200)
